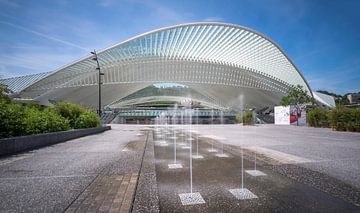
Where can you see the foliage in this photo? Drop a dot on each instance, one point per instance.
(11, 119)
(70, 111)
(87, 119)
(238, 118)
(317, 117)
(30, 118)
(345, 119)
(4, 91)
(341, 101)
(296, 96)
(247, 118)
(340, 118)
(43, 121)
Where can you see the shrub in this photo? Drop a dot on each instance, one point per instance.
(345, 119)
(87, 119)
(317, 117)
(357, 119)
(31, 118)
(70, 111)
(247, 118)
(4, 91)
(43, 121)
(238, 118)
(11, 119)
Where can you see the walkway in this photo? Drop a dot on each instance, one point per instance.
(71, 175)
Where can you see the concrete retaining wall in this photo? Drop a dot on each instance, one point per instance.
(23, 143)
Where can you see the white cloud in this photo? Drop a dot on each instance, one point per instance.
(4, 73)
(35, 60)
(213, 19)
(44, 35)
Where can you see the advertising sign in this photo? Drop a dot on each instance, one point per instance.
(298, 115)
(282, 115)
(290, 115)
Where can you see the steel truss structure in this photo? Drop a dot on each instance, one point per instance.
(235, 66)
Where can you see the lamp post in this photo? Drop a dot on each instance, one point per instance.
(95, 58)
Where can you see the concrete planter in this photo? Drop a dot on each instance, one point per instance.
(28, 142)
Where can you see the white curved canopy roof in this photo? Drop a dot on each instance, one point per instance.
(237, 66)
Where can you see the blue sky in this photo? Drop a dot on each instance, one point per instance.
(321, 37)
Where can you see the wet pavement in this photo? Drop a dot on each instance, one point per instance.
(214, 176)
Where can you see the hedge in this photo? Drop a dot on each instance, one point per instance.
(43, 121)
(317, 117)
(69, 111)
(345, 119)
(86, 120)
(26, 119)
(340, 118)
(11, 119)
(245, 117)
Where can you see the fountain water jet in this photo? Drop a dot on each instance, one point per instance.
(197, 156)
(175, 165)
(222, 155)
(242, 193)
(188, 139)
(212, 122)
(255, 172)
(192, 197)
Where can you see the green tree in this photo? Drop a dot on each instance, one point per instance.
(4, 91)
(297, 97)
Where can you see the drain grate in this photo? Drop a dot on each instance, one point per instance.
(173, 137)
(255, 173)
(175, 166)
(222, 155)
(243, 194)
(197, 156)
(191, 198)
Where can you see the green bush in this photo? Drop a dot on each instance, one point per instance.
(317, 117)
(70, 111)
(43, 121)
(87, 119)
(4, 91)
(238, 118)
(247, 118)
(31, 118)
(11, 119)
(345, 119)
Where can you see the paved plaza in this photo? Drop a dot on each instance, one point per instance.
(127, 169)
(334, 153)
(50, 179)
